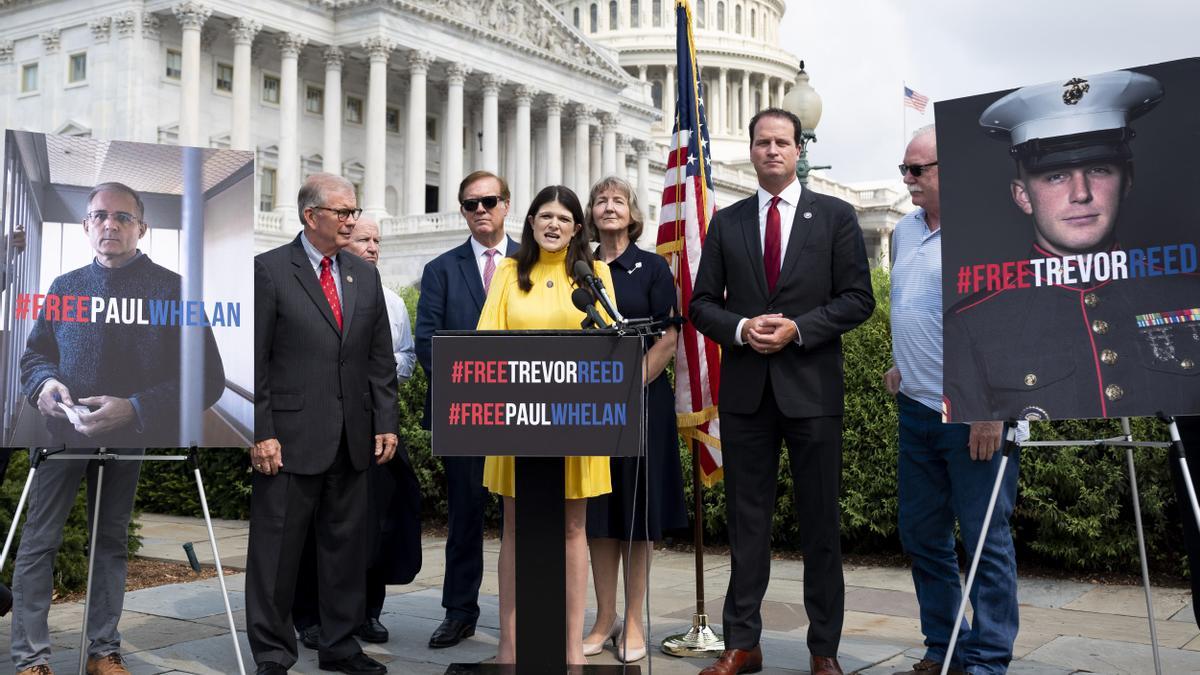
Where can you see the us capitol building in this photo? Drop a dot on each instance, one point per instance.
(404, 97)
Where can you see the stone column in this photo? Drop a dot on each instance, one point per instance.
(623, 158)
(414, 145)
(100, 69)
(523, 178)
(554, 162)
(765, 94)
(508, 115)
(287, 173)
(595, 159)
(722, 124)
(192, 16)
(452, 138)
(643, 176)
(780, 92)
(243, 32)
(583, 121)
(331, 147)
(378, 50)
(608, 163)
(641, 73)
(743, 117)
(8, 81)
(491, 122)
(668, 100)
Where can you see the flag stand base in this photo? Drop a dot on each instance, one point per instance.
(700, 640)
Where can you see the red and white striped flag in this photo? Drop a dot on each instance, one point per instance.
(915, 101)
(687, 208)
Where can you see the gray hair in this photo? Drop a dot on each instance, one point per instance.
(114, 186)
(636, 221)
(927, 129)
(316, 188)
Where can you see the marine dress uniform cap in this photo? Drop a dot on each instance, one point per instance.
(1082, 119)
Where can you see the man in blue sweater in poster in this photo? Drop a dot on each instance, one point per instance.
(118, 380)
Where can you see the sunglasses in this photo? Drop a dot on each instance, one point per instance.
(489, 203)
(915, 169)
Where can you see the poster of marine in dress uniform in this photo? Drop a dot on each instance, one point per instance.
(1071, 214)
(126, 294)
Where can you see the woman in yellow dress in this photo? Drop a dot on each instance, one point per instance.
(532, 290)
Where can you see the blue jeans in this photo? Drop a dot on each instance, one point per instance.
(939, 482)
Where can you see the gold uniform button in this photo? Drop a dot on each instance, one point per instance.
(1108, 356)
(1114, 392)
(1187, 364)
(1099, 327)
(1091, 300)
(1030, 380)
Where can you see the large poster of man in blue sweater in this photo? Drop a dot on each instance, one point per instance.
(122, 351)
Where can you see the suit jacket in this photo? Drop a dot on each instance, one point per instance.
(312, 382)
(824, 285)
(451, 298)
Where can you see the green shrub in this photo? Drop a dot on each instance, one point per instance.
(70, 566)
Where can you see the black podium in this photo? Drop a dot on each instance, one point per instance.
(540, 396)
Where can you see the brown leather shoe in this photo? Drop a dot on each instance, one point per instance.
(927, 667)
(824, 665)
(734, 661)
(39, 669)
(109, 664)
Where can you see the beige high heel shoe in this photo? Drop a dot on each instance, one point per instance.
(594, 648)
(632, 653)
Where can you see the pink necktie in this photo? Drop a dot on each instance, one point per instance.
(330, 289)
(771, 254)
(489, 269)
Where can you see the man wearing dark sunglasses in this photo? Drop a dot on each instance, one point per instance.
(121, 383)
(453, 288)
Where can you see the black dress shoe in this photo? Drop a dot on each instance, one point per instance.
(5, 600)
(270, 668)
(357, 664)
(450, 633)
(311, 637)
(372, 631)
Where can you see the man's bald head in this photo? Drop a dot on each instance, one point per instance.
(365, 240)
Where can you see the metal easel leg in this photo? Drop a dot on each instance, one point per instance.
(212, 542)
(1010, 441)
(1177, 446)
(1141, 539)
(16, 518)
(87, 592)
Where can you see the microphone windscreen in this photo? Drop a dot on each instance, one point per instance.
(583, 270)
(581, 298)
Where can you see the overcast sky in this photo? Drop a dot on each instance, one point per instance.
(860, 53)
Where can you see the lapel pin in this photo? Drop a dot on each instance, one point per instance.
(808, 215)
(636, 267)
(349, 278)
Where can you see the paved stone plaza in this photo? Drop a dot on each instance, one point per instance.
(1066, 626)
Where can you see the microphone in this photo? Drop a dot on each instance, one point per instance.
(583, 269)
(584, 302)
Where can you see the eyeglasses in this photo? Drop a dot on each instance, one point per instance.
(342, 214)
(488, 202)
(97, 218)
(915, 169)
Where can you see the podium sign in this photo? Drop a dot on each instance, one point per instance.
(536, 393)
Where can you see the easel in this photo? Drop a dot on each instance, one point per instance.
(1124, 441)
(102, 456)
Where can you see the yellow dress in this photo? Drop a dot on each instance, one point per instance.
(543, 307)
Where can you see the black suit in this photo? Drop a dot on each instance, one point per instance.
(793, 395)
(452, 296)
(324, 393)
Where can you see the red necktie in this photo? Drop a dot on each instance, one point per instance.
(771, 246)
(330, 289)
(489, 269)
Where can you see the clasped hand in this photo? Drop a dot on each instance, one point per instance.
(111, 413)
(768, 333)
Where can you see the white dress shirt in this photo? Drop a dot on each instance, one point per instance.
(480, 251)
(789, 199)
(403, 347)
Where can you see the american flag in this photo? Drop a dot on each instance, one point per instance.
(915, 101)
(687, 208)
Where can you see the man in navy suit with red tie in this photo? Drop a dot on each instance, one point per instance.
(453, 288)
(783, 274)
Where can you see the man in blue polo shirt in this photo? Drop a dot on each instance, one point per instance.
(946, 471)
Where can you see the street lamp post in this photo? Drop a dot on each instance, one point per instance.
(805, 103)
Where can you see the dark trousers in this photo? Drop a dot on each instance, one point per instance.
(282, 508)
(306, 607)
(751, 461)
(1189, 433)
(466, 499)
